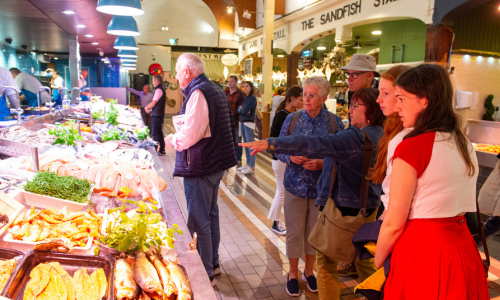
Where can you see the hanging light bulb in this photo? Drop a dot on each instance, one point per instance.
(123, 25)
(120, 7)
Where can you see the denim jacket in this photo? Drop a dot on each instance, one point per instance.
(247, 109)
(346, 148)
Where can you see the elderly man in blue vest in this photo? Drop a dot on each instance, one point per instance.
(205, 149)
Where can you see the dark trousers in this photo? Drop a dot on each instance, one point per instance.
(156, 124)
(237, 139)
(146, 118)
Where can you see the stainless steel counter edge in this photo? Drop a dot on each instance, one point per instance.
(190, 259)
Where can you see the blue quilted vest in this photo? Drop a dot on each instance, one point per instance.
(215, 153)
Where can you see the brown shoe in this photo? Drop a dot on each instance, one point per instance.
(347, 270)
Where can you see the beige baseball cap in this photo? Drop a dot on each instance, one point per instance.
(362, 62)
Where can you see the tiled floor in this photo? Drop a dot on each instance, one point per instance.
(254, 265)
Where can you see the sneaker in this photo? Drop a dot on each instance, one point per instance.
(292, 287)
(248, 171)
(161, 153)
(311, 282)
(212, 281)
(278, 229)
(347, 270)
(243, 167)
(216, 269)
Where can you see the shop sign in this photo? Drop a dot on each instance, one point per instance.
(279, 34)
(382, 2)
(248, 66)
(229, 59)
(336, 14)
(250, 45)
(209, 56)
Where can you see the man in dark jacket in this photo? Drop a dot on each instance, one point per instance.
(205, 149)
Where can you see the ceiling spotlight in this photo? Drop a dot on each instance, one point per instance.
(95, 43)
(280, 55)
(376, 32)
(33, 52)
(68, 12)
(80, 26)
(229, 9)
(56, 58)
(321, 48)
(89, 35)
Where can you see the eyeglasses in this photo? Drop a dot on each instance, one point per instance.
(355, 105)
(354, 75)
(310, 96)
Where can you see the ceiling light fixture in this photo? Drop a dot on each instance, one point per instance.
(80, 26)
(95, 43)
(123, 25)
(56, 58)
(246, 15)
(129, 59)
(164, 28)
(120, 7)
(321, 48)
(280, 55)
(376, 32)
(68, 12)
(229, 9)
(125, 43)
(89, 35)
(127, 53)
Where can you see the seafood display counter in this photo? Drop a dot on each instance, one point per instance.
(128, 185)
(485, 136)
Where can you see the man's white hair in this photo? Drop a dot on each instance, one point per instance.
(192, 62)
(321, 83)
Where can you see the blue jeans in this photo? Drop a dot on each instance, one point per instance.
(203, 216)
(239, 149)
(248, 134)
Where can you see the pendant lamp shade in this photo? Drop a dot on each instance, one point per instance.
(125, 43)
(126, 60)
(127, 53)
(120, 7)
(123, 25)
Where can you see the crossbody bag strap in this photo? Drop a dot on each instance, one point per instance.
(333, 130)
(367, 163)
(483, 238)
(295, 119)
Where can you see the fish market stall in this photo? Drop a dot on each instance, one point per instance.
(96, 193)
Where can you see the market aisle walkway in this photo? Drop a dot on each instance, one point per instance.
(252, 257)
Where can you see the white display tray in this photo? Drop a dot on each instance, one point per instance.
(43, 201)
(25, 246)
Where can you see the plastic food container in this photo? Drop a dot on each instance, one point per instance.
(25, 246)
(6, 254)
(43, 201)
(69, 262)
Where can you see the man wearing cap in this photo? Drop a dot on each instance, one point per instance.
(361, 72)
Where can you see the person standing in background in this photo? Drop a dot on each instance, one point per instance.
(341, 96)
(205, 151)
(29, 87)
(276, 102)
(235, 98)
(56, 84)
(258, 113)
(247, 120)
(146, 98)
(157, 110)
(6, 79)
(291, 102)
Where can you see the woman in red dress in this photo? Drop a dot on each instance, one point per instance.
(433, 185)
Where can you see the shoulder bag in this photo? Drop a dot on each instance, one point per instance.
(333, 233)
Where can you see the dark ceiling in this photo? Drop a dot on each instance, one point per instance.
(41, 25)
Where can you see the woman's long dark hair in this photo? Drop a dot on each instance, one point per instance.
(432, 82)
(294, 91)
